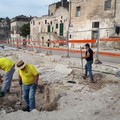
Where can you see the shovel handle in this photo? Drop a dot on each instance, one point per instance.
(81, 59)
(21, 95)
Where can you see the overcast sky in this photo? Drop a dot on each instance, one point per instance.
(12, 8)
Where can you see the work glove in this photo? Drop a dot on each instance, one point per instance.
(20, 82)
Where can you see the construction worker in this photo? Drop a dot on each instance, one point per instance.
(89, 58)
(9, 67)
(28, 78)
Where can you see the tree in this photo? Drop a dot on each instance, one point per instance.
(25, 30)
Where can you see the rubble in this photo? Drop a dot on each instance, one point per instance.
(63, 69)
(118, 74)
(62, 93)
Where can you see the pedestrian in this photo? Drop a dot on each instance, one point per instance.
(28, 78)
(89, 58)
(48, 43)
(8, 66)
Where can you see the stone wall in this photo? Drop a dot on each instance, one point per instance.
(53, 7)
(93, 11)
(117, 19)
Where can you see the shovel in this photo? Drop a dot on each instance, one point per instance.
(81, 59)
(21, 95)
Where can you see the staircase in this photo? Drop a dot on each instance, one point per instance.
(60, 38)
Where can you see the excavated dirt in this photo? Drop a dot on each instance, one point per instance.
(45, 99)
(64, 92)
(101, 80)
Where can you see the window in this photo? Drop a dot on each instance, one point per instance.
(48, 12)
(45, 21)
(56, 26)
(48, 28)
(61, 17)
(95, 25)
(33, 22)
(78, 11)
(107, 5)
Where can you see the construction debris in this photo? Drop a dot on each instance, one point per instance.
(62, 93)
(63, 69)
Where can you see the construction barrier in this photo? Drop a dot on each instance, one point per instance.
(82, 41)
(34, 44)
(110, 40)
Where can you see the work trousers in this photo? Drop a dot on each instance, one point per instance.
(88, 68)
(7, 80)
(29, 96)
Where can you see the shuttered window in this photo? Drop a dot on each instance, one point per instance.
(107, 5)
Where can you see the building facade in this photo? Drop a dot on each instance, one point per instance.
(16, 24)
(53, 26)
(4, 28)
(91, 18)
(88, 19)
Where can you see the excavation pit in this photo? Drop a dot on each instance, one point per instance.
(46, 99)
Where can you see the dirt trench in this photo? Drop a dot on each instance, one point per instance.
(101, 79)
(46, 99)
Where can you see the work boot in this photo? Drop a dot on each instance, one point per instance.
(2, 94)
(7, 92)
(92, 81)
(84, 77)
(26, 109)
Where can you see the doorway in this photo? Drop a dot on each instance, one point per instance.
(94, 37)
(61, 29)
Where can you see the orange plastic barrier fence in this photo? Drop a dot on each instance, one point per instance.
(110, 40)
(82, 41)
(70, 41)
(19, 41)
(73, 51)
(59, 41)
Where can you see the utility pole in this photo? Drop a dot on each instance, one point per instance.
(97, 61)
(68, 32)
(98, 40)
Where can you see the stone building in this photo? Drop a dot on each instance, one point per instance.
(90, 17)
(53, 26)
(16, 23)
(4, 28)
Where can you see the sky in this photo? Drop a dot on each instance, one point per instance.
(12, 8)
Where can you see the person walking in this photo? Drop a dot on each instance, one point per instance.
(8, 66)
(89, 58)
(28, 78)
(48, 43)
